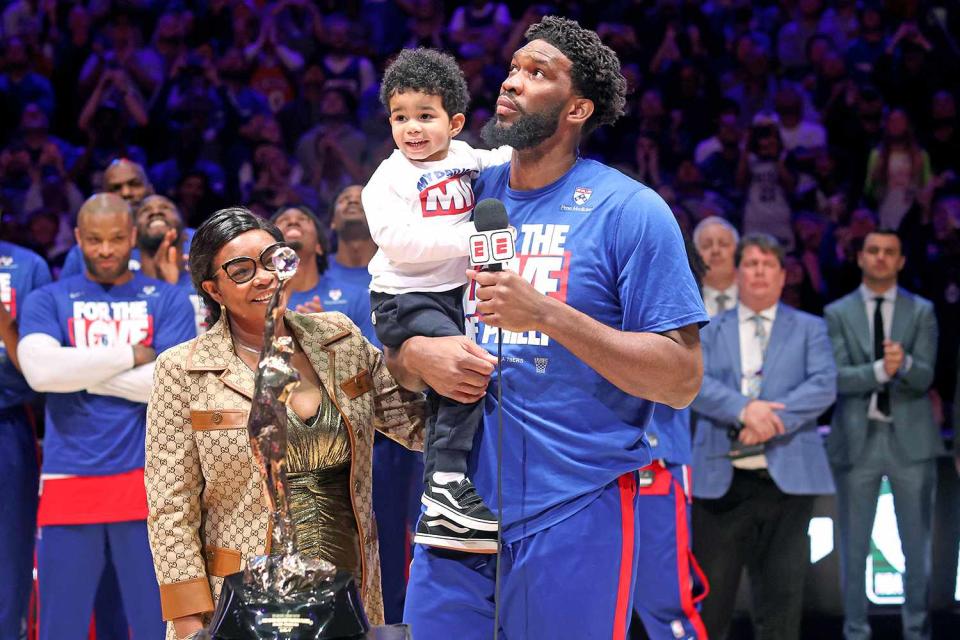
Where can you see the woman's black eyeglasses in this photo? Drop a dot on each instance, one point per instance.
(242, 268)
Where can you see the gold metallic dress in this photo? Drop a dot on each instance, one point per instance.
(318, 473)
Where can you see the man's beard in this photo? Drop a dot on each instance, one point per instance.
(527, 131)
(149, 243)
(352, 230)
(108, 276)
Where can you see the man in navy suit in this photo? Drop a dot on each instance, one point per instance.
(758, 460)
(885, 344)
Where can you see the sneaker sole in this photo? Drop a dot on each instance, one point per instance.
(454, 544)
(456, 516)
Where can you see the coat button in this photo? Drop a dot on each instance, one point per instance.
(217, 417)
(360, 434)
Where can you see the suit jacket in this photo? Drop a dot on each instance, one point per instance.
(207, 513)
(798, 370)
(915, 327)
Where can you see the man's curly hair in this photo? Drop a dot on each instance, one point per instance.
(596, 69)
(428, 71)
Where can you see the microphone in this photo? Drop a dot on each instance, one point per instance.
(492, 245)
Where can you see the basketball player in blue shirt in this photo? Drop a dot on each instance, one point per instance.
(600, 316)
(21, 271)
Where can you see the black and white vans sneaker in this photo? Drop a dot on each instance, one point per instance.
(435, 530)
(460, 503)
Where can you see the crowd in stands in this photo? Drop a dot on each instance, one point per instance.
(813, 120)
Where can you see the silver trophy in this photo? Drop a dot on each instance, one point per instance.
(283, 595)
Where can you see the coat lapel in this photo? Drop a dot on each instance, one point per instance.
(316, 338)
(731, 338)
(780, 332)
(859, 323)
(902, 313)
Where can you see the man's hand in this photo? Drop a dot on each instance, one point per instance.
(143, 354)
(760, 423)
(506, 300)
(892, 357)
(167, 258)
(310, 306)
(455, 367)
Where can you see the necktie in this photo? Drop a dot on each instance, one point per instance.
(883, 396)
(722, 300)
(760, 333)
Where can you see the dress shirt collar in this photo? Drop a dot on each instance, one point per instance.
(745, 313)
(869, 295)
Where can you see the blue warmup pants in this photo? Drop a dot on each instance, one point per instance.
(669, 582)
(571, 580)
(397, 486)
(70, 563)
(18, 517)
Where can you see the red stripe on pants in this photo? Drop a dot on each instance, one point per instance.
(628, 492)
(683, 564)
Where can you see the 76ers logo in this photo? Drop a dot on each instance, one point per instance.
(451, 197)
(8, 295)
(108, 324)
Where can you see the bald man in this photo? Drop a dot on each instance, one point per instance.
(128, 180)
(89, 341)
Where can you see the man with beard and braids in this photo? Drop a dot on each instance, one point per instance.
(599, 325)
(162, 240)
(89, 341)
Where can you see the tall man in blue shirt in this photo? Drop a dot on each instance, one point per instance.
(21, 271)
(593, 337)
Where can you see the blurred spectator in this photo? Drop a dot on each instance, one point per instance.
(300, 23)
(271, 64)
(828, 190)
(70, 51)
(425, 25)
(795, 132)
(723, 157)
(271, 179)
(122, 50)
(867, 48)
(306, 110)
(21, 18)
(839, 261)
(333, 153)
(479, 22)
(716, 240)
(766, 179)
(343, 70)
(128, 180)
(942, 140)
(195, 198)
(20, 85)
(897, 169)
(906, 72)
(841, 22)
(805, 279)
(793, 36)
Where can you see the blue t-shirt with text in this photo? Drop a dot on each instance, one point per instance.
(21, 271)
(609, 247)
(89, 434)
(343, 289)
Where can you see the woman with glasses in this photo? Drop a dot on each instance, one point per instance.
(207, 515)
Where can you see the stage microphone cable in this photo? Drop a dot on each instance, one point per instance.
(496, 588)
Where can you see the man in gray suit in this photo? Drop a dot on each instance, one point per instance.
(884, 341)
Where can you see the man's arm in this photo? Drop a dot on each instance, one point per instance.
(660, 367)
(454, 367)
(52, 368)
(9, 335)
(134, 385)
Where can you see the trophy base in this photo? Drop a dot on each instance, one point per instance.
(331, 610)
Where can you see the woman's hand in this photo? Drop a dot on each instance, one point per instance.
(455, 367)
(188, 624)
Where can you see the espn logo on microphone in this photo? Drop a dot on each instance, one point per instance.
(491, 247)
